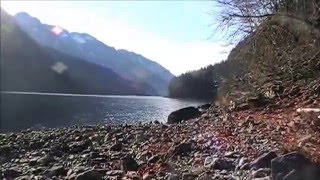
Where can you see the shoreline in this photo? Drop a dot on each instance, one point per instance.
(210, 147)
(76, 95)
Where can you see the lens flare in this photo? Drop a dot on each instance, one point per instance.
(59, 67)
(56, 30)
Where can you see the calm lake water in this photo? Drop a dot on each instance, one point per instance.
(24, 110)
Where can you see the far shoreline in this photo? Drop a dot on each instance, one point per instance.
(74, 94)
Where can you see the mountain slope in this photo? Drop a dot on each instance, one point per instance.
(157, 74)
(26, 66)
(128, 65)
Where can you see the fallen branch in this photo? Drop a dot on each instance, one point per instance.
(299, 110)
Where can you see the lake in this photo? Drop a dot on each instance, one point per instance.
(21, 110)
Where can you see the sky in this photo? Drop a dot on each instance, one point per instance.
(176, 34)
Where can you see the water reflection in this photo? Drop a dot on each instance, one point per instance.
(21, 111)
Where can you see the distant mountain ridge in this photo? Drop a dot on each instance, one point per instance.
(28, 66)
(129, 65)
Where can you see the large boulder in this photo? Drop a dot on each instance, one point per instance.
(204, 106)
(263, 161)
(218, 163)
(129, 164)
(294, 166)
(183, 114)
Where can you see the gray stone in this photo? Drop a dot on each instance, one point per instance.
(156, 122)
(183, 114)
(114, 173)
(129, 164)
(46, 160)
(172, 177)
(89, 175)
(94, 154)
(303, 167)
(189, 176)
(261, 172)
(78, 147)
(144, 156)
(57, 170)
(218, 163)
(37, 170)
(182, 149)
(204, 176)
(263, 178)
(230, 154)
(209, 162)
(35, 145)
(33, 161)
(241, 162)
(11, 173)
(116, 147)
(263, 161)
(154, 159)
(292, 175)
(148, 176)
(99, 160)
(246, 166)
(142, 137)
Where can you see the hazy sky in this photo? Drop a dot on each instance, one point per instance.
(173, 33)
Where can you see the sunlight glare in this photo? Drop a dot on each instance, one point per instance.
(56, 30)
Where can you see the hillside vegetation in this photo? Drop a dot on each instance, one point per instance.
(278, 59)
(282, 60)
(195, 84)
(271, 74)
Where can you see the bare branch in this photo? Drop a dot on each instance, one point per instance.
(241, 17)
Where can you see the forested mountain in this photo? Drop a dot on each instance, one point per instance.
(27, 66)
(198, 84)
(127, 64)
(277, 58)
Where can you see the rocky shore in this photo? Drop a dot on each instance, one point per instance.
(212, 146)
